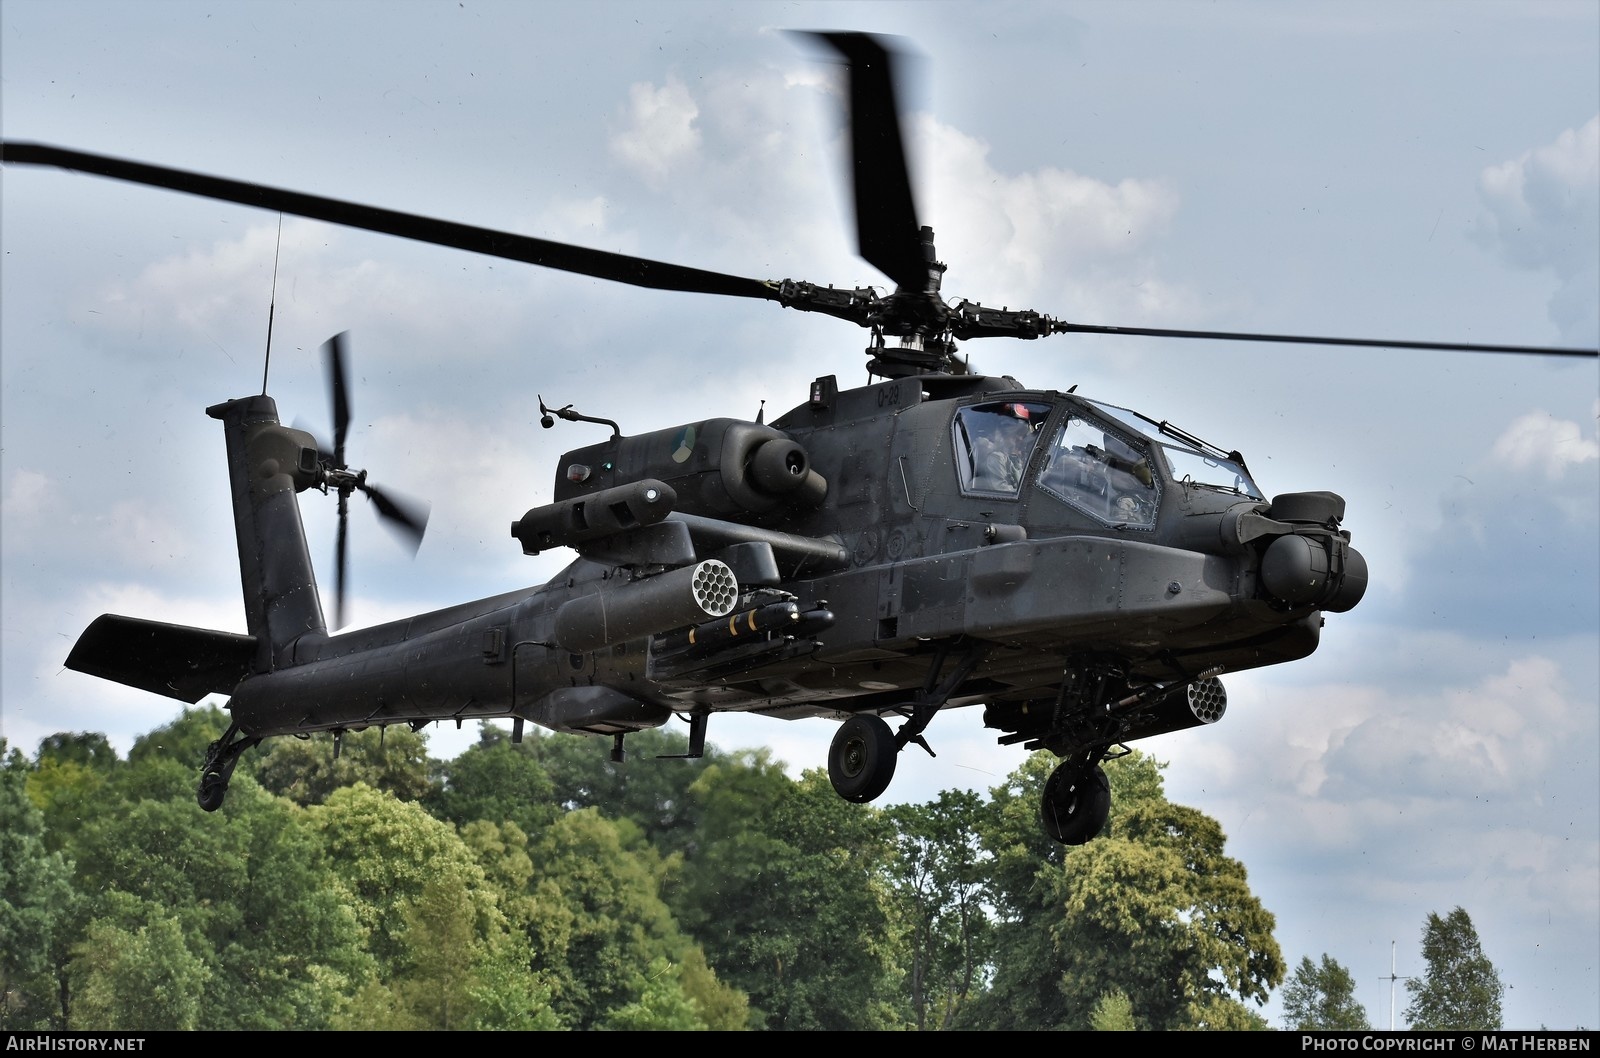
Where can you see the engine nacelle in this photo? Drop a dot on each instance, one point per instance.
(718, 468)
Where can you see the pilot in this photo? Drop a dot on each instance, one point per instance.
(1003, 455)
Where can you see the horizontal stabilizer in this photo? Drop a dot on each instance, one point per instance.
(172, 660)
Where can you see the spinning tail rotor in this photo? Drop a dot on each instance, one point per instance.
(406, 517)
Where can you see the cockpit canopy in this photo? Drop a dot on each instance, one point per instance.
(1108, 462)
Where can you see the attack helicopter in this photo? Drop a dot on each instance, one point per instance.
(936, 538)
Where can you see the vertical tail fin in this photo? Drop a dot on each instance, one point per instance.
(269, 464)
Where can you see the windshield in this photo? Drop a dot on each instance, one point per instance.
(1213, 472)
(1101, 473)
(994, 443)
(1191, 461)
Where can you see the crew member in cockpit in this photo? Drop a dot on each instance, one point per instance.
(1003, 455)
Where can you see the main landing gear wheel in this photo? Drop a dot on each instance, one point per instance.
(862, 757)
(1076, 803)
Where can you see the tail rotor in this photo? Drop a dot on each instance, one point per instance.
(408, 518)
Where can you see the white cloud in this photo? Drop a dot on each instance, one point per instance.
(1544, 214)
(1541, 443)
(28, 493)
(1050, 234)
(660, 133)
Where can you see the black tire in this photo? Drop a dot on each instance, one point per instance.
(862, 757)
(212, 789)
(1076, 803)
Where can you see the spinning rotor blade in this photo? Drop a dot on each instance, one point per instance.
(333, 361)
(888, 235)
(406, 516)
(967, 321)
(621, 268)
(1062, 327)
(341, 558)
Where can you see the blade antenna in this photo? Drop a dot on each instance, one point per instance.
(272, 305)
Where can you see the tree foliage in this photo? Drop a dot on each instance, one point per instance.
(1153, 907)
(941, 881)
(540, 885)
(1322, 997)
(498, 781)
(1113, 1013)
(37, 899)
(788, 897)
(143, 977)
(306, 771)
(1461, 989)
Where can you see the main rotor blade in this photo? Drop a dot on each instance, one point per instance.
(1062, 327)
(333, 359)
(887, 230)
(621, 268)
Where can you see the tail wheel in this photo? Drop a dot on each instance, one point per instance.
(212, 786)
(1076, 803)
(862, 757)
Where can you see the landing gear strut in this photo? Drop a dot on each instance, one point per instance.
(862, 757)
(221, 758)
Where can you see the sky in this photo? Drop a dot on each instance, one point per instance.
(1419, 171)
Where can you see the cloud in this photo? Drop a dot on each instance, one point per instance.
(28, 493)
(1049, 235)
(1518, 529)
(1544, 214)
(660, 133)
(1545, 445)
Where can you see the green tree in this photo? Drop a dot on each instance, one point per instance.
(1461, 989)
(1113, 1012)
(164, 765)
(1322, 998)
(449, 957)
(183, 741)
(385, 853)
(499, 781)
(789, 896)
(1152, 907)
(940, 879)
(651, 787)
(288, 952)
(90, 749)
(661, 1005)
(615, 924)
(140, 978)
(250, 886)
(36, 902)
(442, 951)
(306, 771)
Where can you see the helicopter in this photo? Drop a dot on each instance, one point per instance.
(937, 538)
